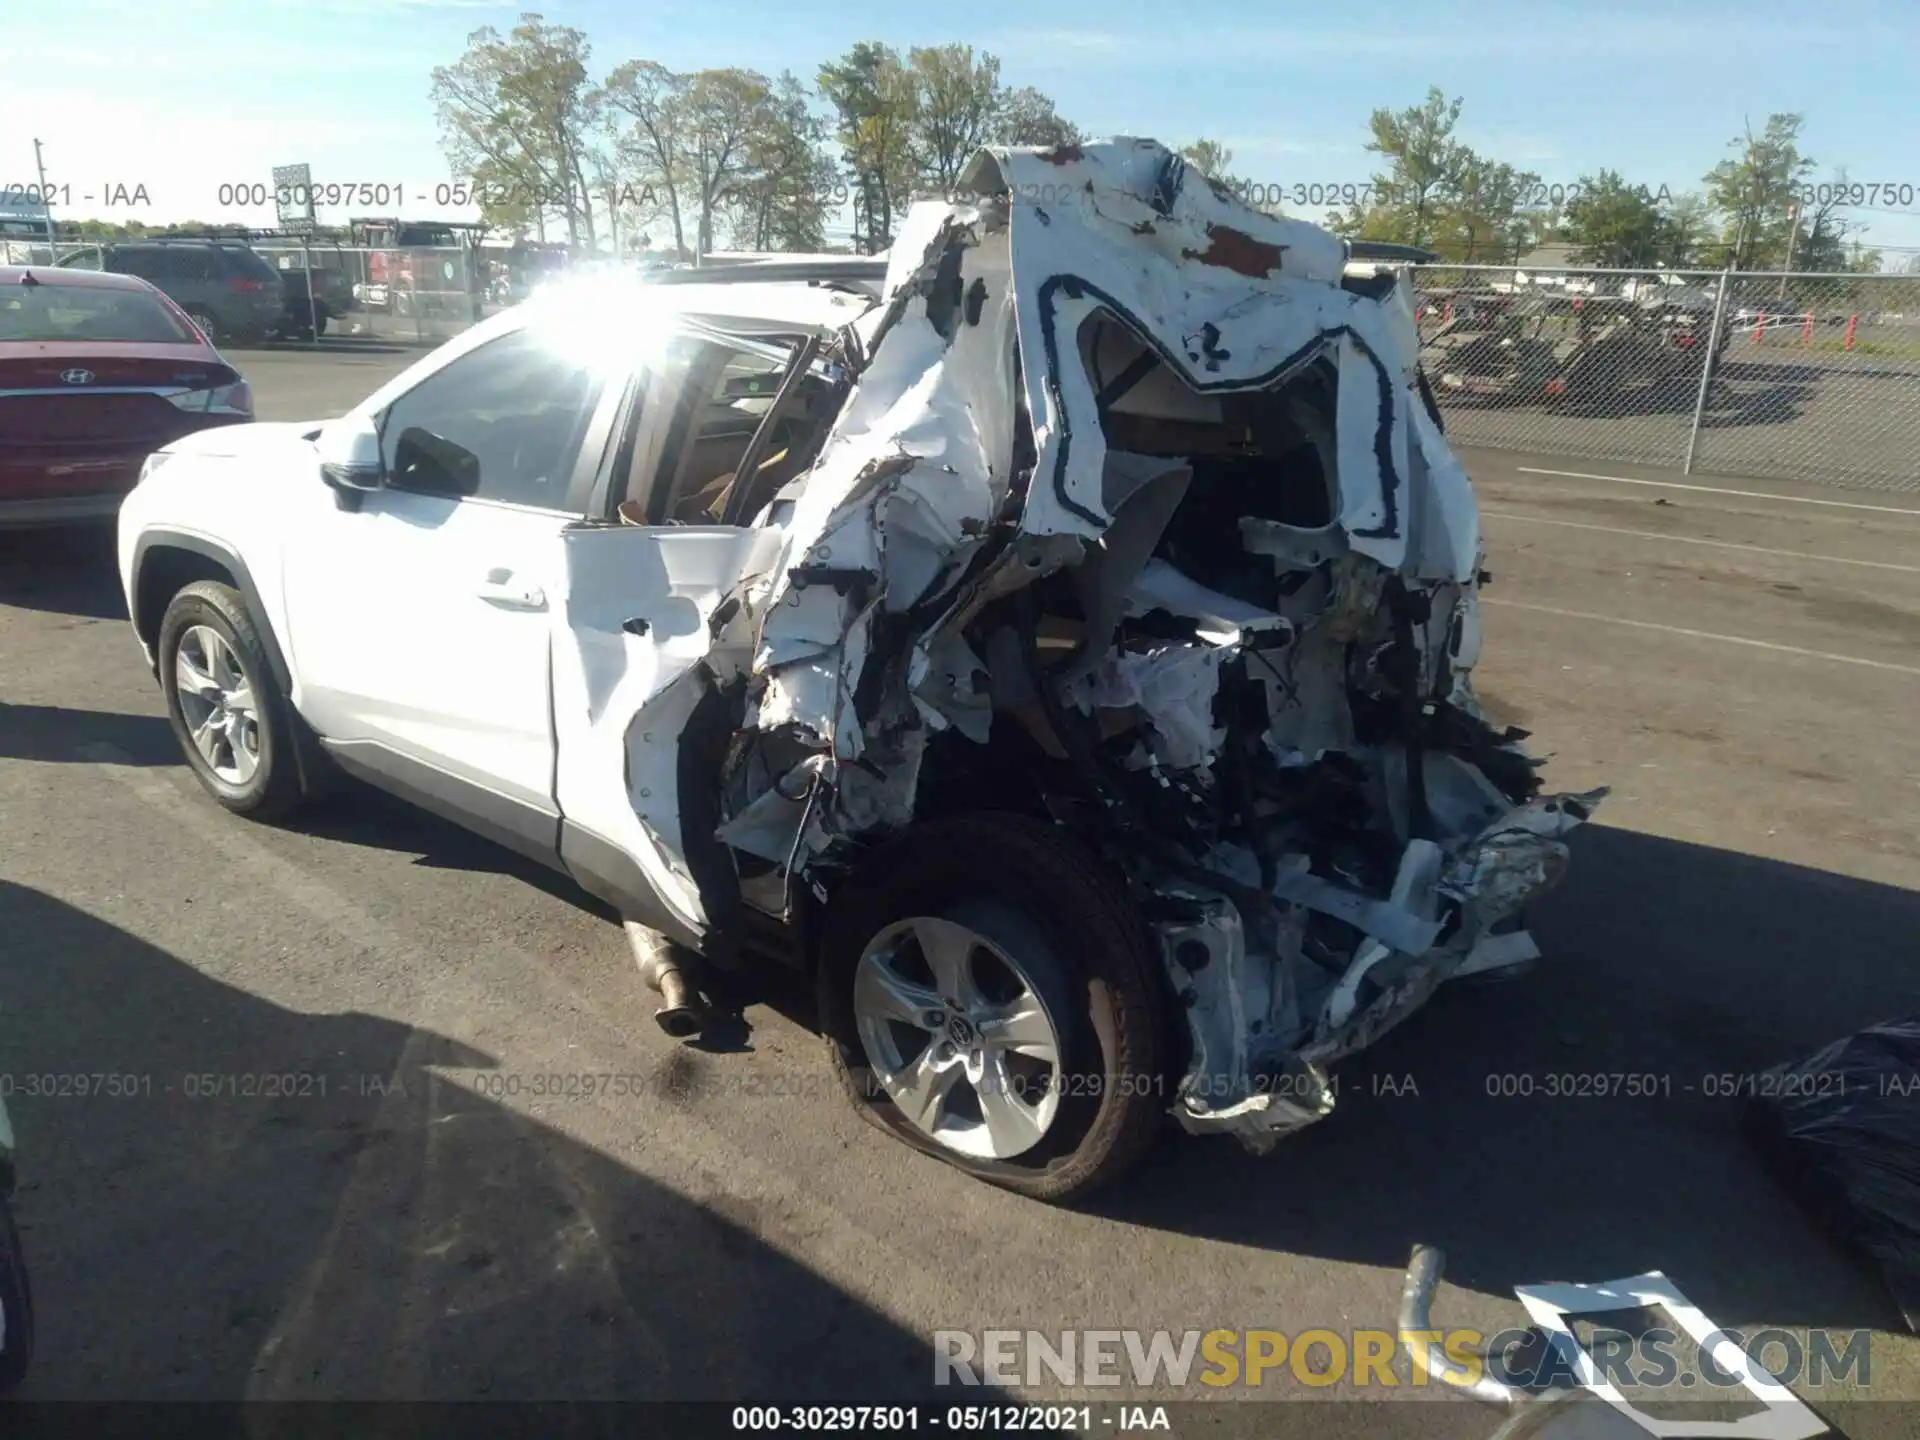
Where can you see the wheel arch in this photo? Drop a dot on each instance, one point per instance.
(165, 562)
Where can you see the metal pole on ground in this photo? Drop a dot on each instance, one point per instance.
(1706, 368)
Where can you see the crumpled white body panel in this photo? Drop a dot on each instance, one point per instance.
(920, 461)
(987, 321)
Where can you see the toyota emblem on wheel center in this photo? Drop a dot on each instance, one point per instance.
(77, 377)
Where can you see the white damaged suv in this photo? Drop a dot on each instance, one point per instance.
(1056, 638)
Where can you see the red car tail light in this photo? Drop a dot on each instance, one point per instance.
(246, 286)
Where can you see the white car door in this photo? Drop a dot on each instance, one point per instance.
(420, 617)
(635, 621)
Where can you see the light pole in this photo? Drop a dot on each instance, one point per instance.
(46, 200)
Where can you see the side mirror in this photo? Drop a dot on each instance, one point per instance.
(350, 454)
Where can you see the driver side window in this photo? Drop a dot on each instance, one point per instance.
(504, 422)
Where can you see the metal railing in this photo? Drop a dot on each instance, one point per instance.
(1809, 376)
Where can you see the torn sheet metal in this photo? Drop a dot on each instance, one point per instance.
(1222, 619)
(1129, 474)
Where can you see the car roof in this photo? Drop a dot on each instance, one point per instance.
(764, 307)
(85, 279)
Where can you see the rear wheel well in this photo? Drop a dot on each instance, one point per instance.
(166, 570)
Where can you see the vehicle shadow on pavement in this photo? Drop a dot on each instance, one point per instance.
(357, 814)
(1747, 394)
(360, 1227)
(1692, 966)
(62, 570)
(85, 737)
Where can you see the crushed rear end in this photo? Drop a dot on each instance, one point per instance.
(1138, 514)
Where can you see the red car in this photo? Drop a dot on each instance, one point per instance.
(97, 371)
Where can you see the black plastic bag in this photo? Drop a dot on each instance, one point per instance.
(1841, 1130)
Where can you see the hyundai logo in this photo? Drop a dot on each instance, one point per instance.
(77, 377)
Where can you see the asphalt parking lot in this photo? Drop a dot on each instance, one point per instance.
(1740, 660)
(1773, 409)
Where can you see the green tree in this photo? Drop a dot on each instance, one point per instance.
(956, 104)
(726, 110)
(1209, 157)
(1028, 117)
(873, 97)
(1483, 216)
(1613, 222)
(1686, 232)
(719, 145)
(1754, 190)
(1422, 176)
(1215, 161)
(651, 149)
(1823, 238)
(519, 113)
(787, 195)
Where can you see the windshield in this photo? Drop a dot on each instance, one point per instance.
(75, 312)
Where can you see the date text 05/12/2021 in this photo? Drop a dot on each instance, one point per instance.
(953, 1419)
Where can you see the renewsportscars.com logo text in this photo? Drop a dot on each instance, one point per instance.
(1220, 1359)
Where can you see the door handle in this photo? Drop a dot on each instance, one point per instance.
(499, 589)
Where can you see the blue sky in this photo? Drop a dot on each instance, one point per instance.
(186, 95)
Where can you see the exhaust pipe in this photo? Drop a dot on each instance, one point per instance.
(680, 1015)
(1421, 1340)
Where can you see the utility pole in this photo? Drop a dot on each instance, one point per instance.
(46, 200)
(1793, 233)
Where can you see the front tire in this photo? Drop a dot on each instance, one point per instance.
(990, 998)
(233, 721)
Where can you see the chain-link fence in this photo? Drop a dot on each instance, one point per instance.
(405, 295)
(414, 294)
(1800, 375)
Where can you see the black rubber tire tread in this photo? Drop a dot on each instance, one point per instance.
(209, 325)
(1102, 943)
(275, 789)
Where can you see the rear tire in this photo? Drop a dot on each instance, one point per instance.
(209, 327)
(1036, 896)
(262, 779)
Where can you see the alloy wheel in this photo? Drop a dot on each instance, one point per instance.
(217, 702)
(959, 1037)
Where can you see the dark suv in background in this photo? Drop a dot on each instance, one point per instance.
(332, 295)
(233, 295)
